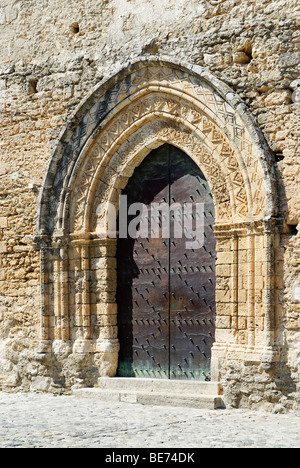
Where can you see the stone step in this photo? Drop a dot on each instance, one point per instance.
(202, 395)
(151, 398)
(161, 386)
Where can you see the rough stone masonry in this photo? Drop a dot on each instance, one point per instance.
(86, 90)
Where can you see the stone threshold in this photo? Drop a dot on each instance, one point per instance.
(190, 394)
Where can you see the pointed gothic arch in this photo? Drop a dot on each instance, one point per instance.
(144, 105)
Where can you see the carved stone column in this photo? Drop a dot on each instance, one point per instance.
(104, 307)
(42, 243)
(271, 353)
(82, 310)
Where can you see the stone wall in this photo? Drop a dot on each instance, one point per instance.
(53, 53)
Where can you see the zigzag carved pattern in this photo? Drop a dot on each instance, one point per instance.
(204, 93)
(145, 107)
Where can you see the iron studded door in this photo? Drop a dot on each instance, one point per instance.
(166, 291)
(192, 275)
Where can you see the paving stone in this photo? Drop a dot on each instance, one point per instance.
(43, 420)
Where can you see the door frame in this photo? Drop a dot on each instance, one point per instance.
(149, 102)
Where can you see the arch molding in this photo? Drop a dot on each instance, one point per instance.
(146, 104)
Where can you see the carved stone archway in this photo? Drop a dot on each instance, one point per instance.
(146, 104)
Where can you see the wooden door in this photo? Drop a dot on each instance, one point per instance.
(166, 291)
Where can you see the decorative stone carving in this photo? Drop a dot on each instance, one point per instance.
(149, 103)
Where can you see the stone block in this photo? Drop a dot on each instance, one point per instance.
(223, 322)
(223, 271)
(243, 256)
(242, 295)
(3, 222)
(243, 243)
(243, 309)
(224, 258)
(106, 320)
(242, 323)
(259, 282)
(223, 296)
(40, 384)
(224, 245)
(3, 247)
(224, 309)
(106, 274)
(99, 251)
(244, 269)
(109, 332)
(103, 263)
(105, 309)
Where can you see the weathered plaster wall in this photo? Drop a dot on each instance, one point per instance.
(53, 53)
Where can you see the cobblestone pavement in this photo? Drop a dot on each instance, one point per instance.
(39, 420)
